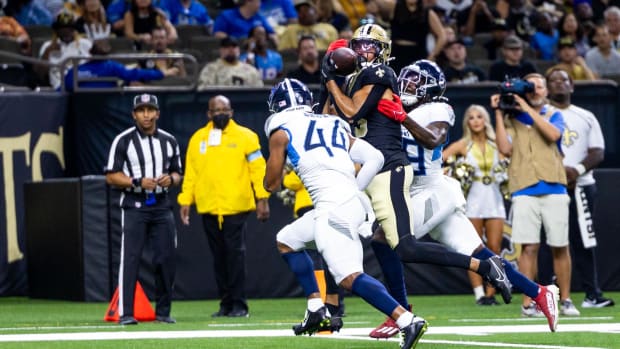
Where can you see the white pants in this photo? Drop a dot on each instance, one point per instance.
(439, 210)
(335, 232)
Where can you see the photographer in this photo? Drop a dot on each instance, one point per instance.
(530, 134)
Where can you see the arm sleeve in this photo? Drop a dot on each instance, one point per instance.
(257, 166)
(134, 74)
(371, 159)
(186, 196)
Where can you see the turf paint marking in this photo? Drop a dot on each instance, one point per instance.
(351, 333)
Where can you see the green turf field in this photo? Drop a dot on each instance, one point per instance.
(454, 322)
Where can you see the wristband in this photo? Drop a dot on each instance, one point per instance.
(580, 169)
(136, 182)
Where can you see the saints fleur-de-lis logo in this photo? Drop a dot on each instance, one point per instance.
(380, 72)
(568, 137)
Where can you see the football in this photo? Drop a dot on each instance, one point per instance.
(345, 60)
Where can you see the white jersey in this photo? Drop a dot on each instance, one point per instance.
(581, 131)
(427, 162)
(318, 149)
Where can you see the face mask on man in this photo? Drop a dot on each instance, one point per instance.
(230, 58)
(220, 120)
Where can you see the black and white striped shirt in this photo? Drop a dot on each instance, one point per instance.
(139, 155)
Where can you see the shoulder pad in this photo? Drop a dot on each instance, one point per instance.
(277, 120)
(378, 74)
(428, 113)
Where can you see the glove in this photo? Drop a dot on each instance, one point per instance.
(337, 44)
(328, 68)
(392, 109)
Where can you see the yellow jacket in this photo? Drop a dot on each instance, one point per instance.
(226, 177)
(302, 198)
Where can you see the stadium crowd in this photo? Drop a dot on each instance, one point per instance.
(471, 40)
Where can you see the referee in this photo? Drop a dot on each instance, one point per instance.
(145, 161)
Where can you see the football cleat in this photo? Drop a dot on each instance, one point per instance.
(597, 302)
(386, 330)
(547, 303)
(498, 279)
(411, 334)
(313, 322)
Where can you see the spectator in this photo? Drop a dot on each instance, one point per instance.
(115, 13)
(267, 61)
(28, 12)
(145, 174)
(142, 18)
(309, 71)
(93, 20)
(480, 18)
(98, 68)
(224, 179)
(457, 69)
(485, 202)
(499, 32)
(237, 22)
(12, 30)
(186, 12)
(531, 137)
(324, 33)
(512, 65)
(602, 58)
(411, 23)
(518, 15)
(327, 14)
(612, 20)
(228, 70)
(571, 62)
(278, 13)
(599, 7)
(584, 149)
(159, 44)
(355, 10)
(64, 43)
(569, 27)
(545, 39)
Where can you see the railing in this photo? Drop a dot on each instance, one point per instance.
(186, 83)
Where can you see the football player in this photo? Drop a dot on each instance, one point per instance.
(439, 199)
(323, 153)
(375, 81)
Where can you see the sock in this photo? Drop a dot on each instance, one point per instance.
(301, 265)
(374, 293)
(518, 280)
(404, 319)
(333, 309)
(315, 304)
(478, 292)
(392, 269)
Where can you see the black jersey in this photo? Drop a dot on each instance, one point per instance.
(383, 133)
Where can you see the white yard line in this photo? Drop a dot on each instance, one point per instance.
(562, 319)
(357, 333)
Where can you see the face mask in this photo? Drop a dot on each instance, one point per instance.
(230, 58)
(220, 121)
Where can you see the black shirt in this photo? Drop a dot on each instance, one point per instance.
(468, 75)
(304, 76)
(500, 69)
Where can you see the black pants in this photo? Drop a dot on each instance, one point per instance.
(228, 248)
(138, 225)
(583, 259)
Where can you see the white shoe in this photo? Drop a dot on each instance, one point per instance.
(599, 302)
(567, 308)
(531, 311)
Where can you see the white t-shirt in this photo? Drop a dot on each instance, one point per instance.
(79, 47)
(581, 132)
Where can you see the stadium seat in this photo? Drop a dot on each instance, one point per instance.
(13, 74)
(122, 45)
(186, 32)
(39, 31)
(10, 46)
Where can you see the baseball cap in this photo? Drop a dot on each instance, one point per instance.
(566, 41)
(229, 42)
(512, 41)
(455, 41)
(64, 20)
(298, 3)
(145, 99)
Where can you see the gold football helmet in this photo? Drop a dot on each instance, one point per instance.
(372, 36)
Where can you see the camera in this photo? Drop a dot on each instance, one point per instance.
(510, 87)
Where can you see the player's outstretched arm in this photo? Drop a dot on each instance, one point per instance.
(429, 137)
(275, 164)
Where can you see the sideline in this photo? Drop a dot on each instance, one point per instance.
(350, 333)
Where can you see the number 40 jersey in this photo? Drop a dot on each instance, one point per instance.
(318, 149)
(427, 162)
